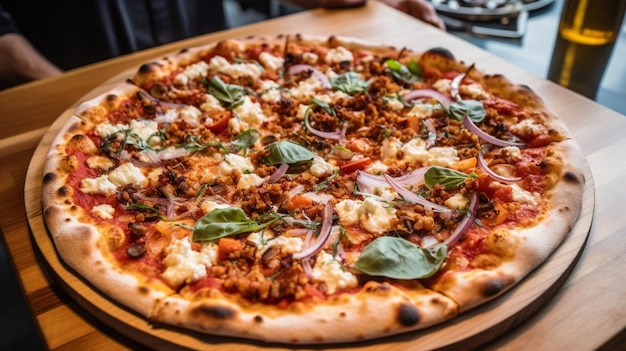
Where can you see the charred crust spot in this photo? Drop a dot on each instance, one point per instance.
(571, 177)
(342, 314)
(63, 191)
(525, 87)
(81, 137)
(147, 67)
(48, 177)
(372, 287)
(182, 51)
(564, 209)
(143, 290)
(408, 315)
(109, 98)
(439, 51)
(258, 319)
(217, 312)
(493, 287)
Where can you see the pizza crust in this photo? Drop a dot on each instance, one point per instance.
(378, 310)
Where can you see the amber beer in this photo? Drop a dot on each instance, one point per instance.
(587, 33)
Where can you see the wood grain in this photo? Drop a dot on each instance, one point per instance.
(587, 312)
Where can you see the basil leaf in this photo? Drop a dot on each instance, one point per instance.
(245, 140)
(323, 105)
(225, 93)
(397, 258)
(138, 206)
(350, 83)
(446, 177)
(224, 222)
(472, 108)
(288, 152)
(410, 74)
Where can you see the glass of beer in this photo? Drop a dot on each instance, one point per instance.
(587, 33)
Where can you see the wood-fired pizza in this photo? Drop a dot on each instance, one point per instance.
(300, 189)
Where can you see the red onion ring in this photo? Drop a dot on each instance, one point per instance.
(367, 182)
(483, 165)
(280, 171)
(414, 198)
(464, 225)
(317, 74)
(327, 223)
(429, 94)
(454, 86)
(160, 102)
(488, 138)
(336, 135)
(432, 133)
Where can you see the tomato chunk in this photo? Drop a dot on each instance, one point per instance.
(354, 166)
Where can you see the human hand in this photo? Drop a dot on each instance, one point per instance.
(420, 9)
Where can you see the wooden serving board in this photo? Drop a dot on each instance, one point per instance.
(469, 330)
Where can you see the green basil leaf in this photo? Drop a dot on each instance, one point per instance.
(472, 108)
(223, 222)
(288, 152)
(226, 93)
(416, 69)
(323, 105)
(350, 83)
(410, 74)
(397, 258)
(138, 206)
(446, 177)
(245, 140)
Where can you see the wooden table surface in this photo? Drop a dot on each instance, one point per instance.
(587, 312)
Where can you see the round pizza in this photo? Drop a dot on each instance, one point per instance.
(300, 189)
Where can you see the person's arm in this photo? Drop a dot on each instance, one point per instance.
(420, 9)
(20, 62)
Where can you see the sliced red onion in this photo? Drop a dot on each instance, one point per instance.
(488, 138)
(454, 86)
(280, 171)
(336, 135)
(160, 102)
(306, 266)
(465, 223)
(432, 133)
(429, 94)
(414, 198)
(368, 182)
(317, 74)
(327, 223)
(295, 191)
(483, 165)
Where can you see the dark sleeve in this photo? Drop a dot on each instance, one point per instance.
(6, 23)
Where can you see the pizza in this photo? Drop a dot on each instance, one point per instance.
(308, 190)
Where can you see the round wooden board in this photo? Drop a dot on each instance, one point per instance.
(469, 330)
